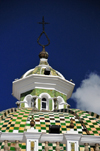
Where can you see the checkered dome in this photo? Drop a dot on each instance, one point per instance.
(18, 120)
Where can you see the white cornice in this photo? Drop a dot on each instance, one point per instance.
(92, 140)
(52, 138)
(75, 137)
(11, 136)
(30, 135)
(43, 137)
(42, 81)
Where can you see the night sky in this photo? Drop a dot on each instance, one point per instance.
(74, 50)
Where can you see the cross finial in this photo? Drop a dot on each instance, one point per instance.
(43, 32)
(43, 22)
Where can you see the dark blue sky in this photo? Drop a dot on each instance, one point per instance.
(74, 33)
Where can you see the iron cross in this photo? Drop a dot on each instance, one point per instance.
(43, 22)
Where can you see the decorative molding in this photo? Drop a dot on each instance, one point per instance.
(73, 137)
(52, 138)
(11, 136)
(43, 137)
(90, 139)
(31, 135)
(42, 81)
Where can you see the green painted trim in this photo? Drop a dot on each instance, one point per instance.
(57, 106)
(22, 105)
(39, 104)
(50, 105)
(64, 106)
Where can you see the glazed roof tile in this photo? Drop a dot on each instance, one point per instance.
(18, 120)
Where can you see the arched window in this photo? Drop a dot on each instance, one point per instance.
(44, 101)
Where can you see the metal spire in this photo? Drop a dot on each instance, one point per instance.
(43, 53)
(43, 32)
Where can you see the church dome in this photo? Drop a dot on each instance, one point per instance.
(17, 121)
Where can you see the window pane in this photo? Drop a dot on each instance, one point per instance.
(43, 105)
